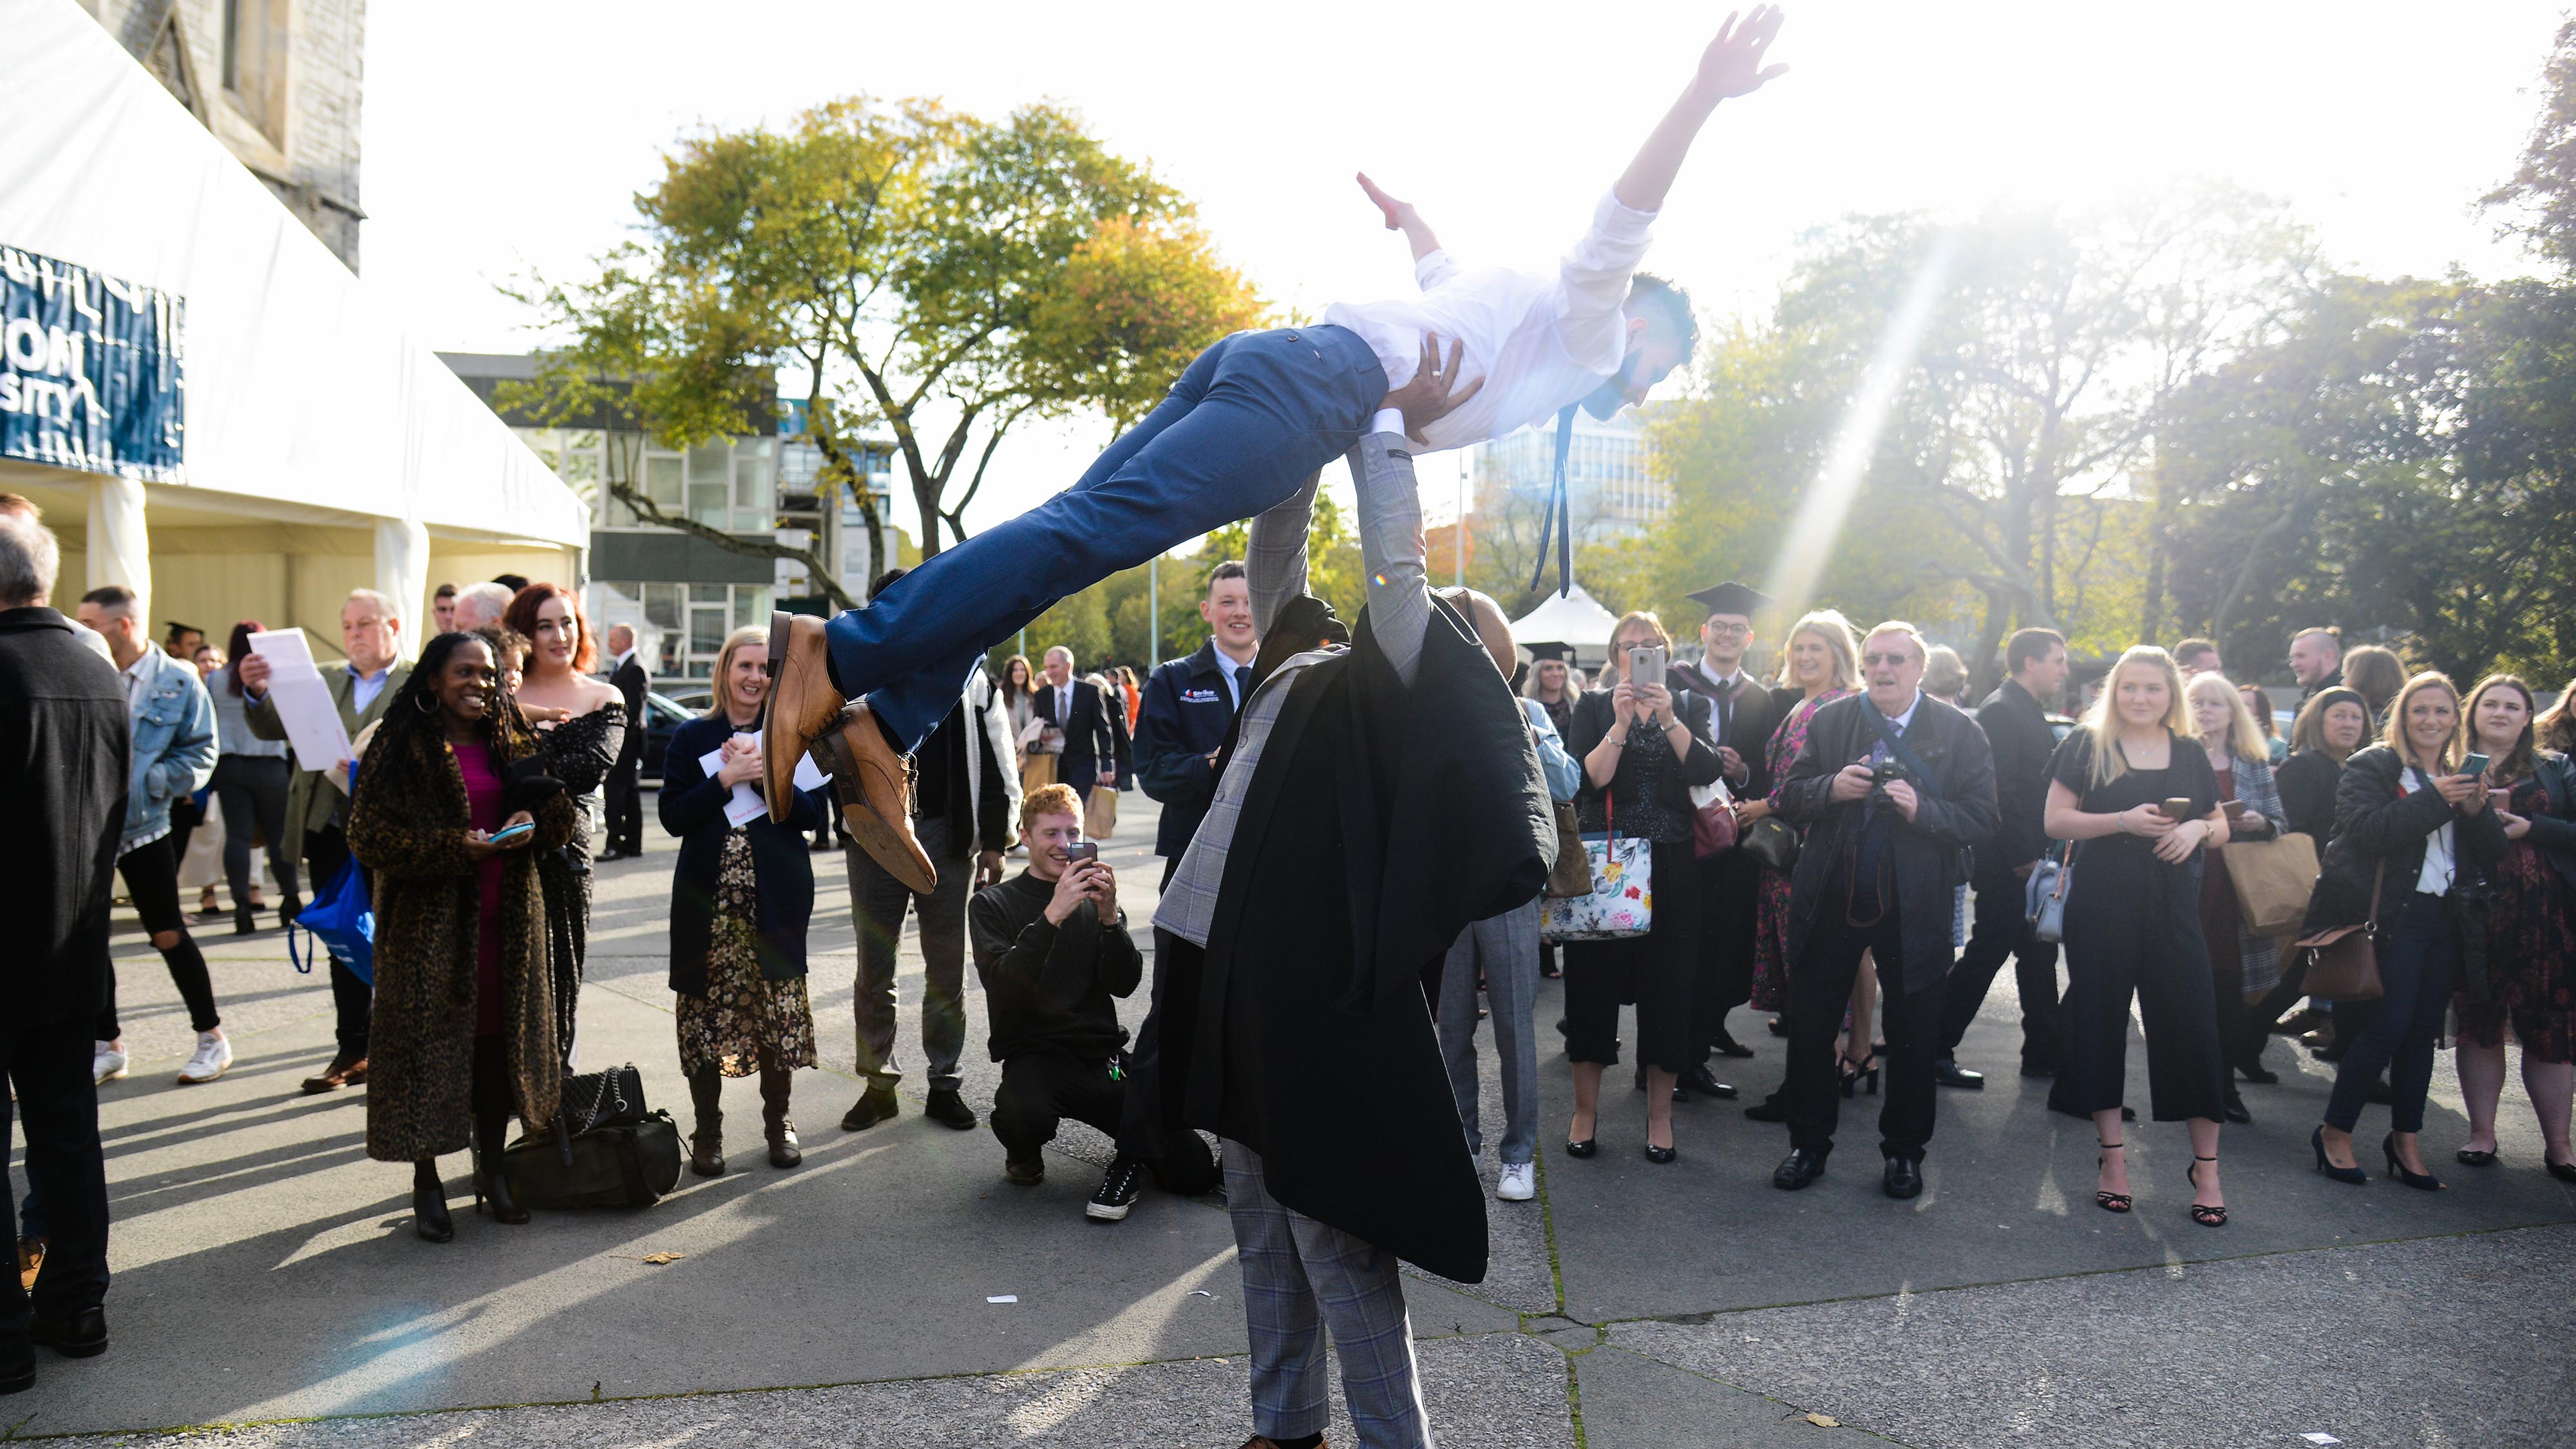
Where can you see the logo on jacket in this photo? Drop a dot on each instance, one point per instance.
(1198, 696)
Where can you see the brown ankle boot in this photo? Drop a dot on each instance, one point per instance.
(783, 1149)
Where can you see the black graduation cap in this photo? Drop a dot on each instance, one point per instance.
(1543, 652)
(1734, 598)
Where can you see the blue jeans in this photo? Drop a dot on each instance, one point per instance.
(1253, 418)
(2416, 972)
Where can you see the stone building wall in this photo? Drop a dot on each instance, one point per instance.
(291, 113)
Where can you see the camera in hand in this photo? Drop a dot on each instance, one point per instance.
(1881, 772)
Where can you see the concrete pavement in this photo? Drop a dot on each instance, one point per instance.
(267, 1276)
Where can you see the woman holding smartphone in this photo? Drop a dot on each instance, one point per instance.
(464, 1024)
(2413, 832)
(2530, 931)
(1642, 748)
(741, 896)
(2133, 789)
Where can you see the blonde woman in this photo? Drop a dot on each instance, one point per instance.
(2133, 789)
(2413, 830)
(1819, 664)
(2244, 963)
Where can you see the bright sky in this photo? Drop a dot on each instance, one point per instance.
(504, 137)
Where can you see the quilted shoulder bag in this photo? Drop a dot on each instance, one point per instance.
(2343, 964)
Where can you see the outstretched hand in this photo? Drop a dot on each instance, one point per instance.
(1433, 391)
(1732, 64)
(1397, 213)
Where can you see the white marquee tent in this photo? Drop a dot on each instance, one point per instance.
(324, 449)
(1575, 618)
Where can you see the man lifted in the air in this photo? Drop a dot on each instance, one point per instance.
(1251, 420)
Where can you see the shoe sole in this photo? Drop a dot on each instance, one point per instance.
(116, 1075)
(188, 1081)
(866, 828)
(1101, 1212)
(74, 1350)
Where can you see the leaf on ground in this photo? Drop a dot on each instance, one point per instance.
(658, 1259)
(1824, 1421)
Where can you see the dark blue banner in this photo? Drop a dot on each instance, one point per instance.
(92, 372)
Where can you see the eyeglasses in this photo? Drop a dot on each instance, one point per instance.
(1878, 659)
(1729, 630)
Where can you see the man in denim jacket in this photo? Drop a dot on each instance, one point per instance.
(173, 755)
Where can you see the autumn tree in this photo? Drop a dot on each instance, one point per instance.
(934, 278)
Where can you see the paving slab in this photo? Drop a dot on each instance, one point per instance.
(2456, 1340)
(1633, 1402)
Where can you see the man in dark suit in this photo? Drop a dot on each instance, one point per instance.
(1897, 790)
(1189, 704)
(625, 779)
(370, 634)
(1741, 715)
(63, 779)
(1090, 736)
(2015, 721)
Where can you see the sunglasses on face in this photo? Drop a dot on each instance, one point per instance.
(1874, 660)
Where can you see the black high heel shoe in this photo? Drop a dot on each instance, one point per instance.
(1589, 1145)
(2207, 1217)
(2353, 1174)
(1660, 1155)
(2420, 1181)
(2563, 1171)
(491, 1183)
(2109, 1202)
(429, 1203)
(1856, 1074)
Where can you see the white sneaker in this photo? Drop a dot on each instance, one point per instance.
(106, 1063)
(214, 1054)
(1520, 1182)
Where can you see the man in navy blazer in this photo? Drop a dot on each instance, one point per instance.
(1091, 737)
(1189, 705)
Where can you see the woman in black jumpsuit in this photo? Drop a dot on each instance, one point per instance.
(2133, 920)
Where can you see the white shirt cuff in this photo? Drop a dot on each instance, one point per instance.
(1388, 420)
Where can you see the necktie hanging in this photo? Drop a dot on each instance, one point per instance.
(1557, 518)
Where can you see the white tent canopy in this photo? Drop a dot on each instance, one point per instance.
(1574, 617)
(315, 428)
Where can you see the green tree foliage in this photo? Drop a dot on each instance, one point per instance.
(937, 277)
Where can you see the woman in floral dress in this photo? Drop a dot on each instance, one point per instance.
(1820, 664)
(741, 897)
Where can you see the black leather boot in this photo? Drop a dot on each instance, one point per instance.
(706, 1140)
(491, 1184)
(774, 1088)
(429, 1203)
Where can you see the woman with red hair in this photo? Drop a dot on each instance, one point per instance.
(581, 728)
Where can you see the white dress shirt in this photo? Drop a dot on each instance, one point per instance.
(1539, 342)
(2441, 863)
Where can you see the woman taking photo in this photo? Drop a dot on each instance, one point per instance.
(584, 729)
(1643, 748)
(741, 897)
(2244, 964)
(251, 780)
(1821, 664)
(2412, 837)
(2530, 932)
(464, 1026)
(2134, 792)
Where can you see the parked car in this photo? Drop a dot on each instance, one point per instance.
(662, 715)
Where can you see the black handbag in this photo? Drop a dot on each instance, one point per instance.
(613, 1098)
(1771, 841)
(624, 1164)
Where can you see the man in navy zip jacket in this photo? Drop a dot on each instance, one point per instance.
(1188, 705)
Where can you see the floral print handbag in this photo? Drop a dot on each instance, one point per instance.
(1622, 902)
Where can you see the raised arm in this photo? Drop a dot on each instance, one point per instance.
(1274, 556)
(1731, 66)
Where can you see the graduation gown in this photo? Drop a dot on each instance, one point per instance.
(1380, 822)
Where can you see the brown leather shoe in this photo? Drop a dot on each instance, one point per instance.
(343, 1072)
(876, 798)
(802, 705)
